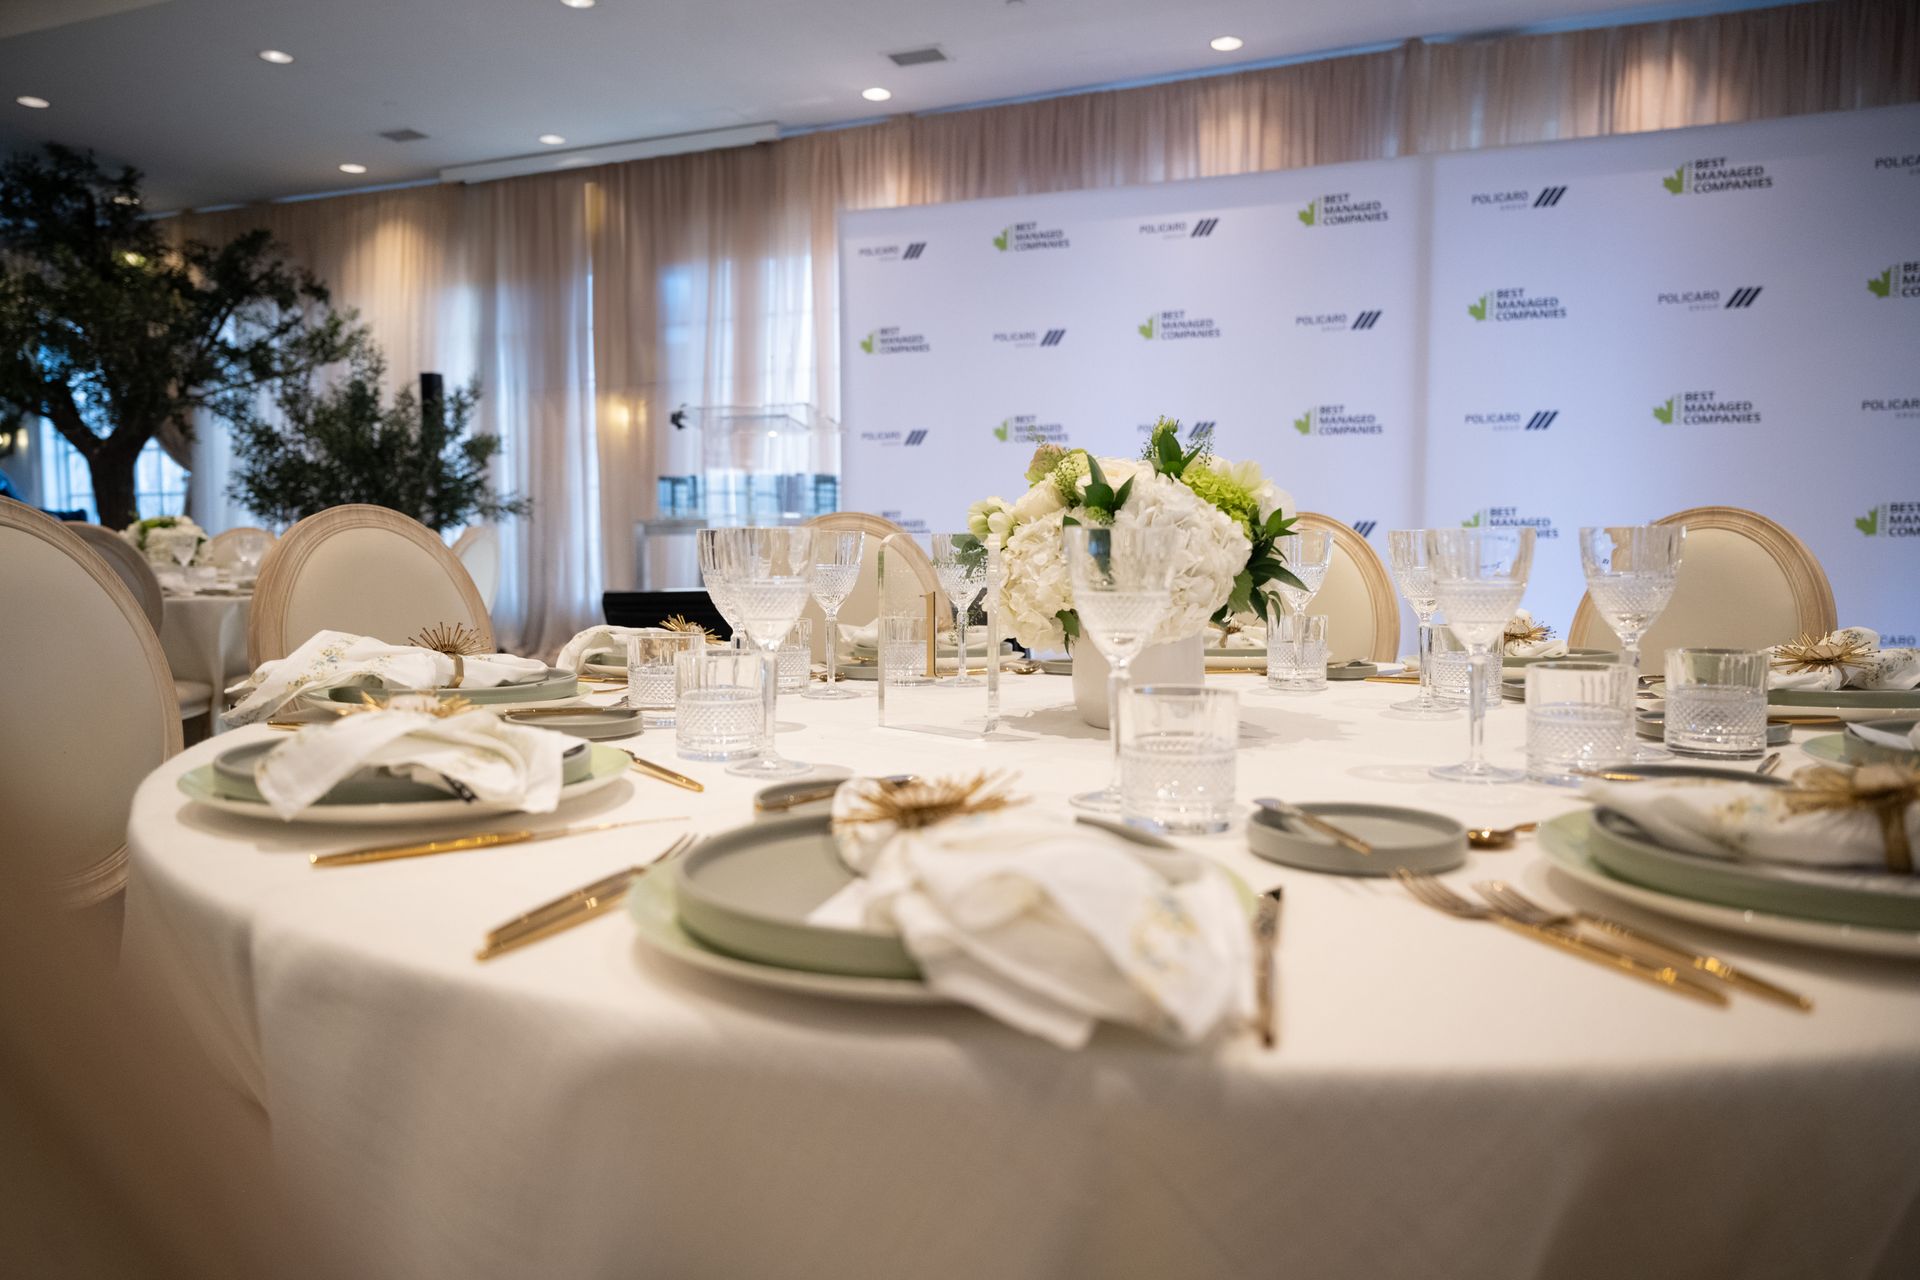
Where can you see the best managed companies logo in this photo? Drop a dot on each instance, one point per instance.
(1026, 428)
(1706, 409)
(1176, 326)
(1901, 280)
(1515, 304)
(1713, 176)
(1890, 520)
(894, 341)
(1338, 420)
(1342, 209)
(1510, 518)
(1030, 237)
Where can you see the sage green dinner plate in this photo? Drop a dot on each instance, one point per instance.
(233, 778)
(557, 685)
(1565, 843)
(594, 723)
(1571, 655)
(1847, 704)
(1651, 723)
(1858, 750)
(1875, 899)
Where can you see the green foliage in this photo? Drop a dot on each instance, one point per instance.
(1069, 626)
(1100, 498)
(970, 553)
(1264, 566)
(111, 334)
(337, 445)
(1163, 451)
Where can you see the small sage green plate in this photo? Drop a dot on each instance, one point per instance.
(1416, 839)
(1571, 655)
(1858, 750)
(593, 723)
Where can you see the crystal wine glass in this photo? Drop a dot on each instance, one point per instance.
(1631, 570)
(1413, 571)
(1307, 553)
(960, 562)
(719, 586)
(836, 568)
(768, 571)
(1122, 591)
(1479, 576)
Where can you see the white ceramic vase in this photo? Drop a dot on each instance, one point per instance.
(1176, 662)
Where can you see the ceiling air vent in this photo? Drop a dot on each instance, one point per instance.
(915, 57)
(402, 135)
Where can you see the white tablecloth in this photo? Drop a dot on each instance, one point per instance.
(205, 638)
(1446, 1099)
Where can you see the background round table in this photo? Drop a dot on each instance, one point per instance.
(1446, 1099)
(205, 637)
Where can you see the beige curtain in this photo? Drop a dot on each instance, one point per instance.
(593, 303)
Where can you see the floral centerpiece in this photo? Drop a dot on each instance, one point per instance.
(158, 537)
(1224, 516)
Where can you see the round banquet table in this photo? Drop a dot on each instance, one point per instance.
(205, 637)
(1446, 1099)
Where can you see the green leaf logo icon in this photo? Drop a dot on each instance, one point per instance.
(1000, 432)
(1869, 524)
(866, 344)
(1146, 330)
(1472, 521)
(1304, 423)
(1664, 412)
(1881, 285)
(1677, 183)
(1478, 310)
(1000, 241)
(1310, 213)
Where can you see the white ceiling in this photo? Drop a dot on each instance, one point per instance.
(175, 86)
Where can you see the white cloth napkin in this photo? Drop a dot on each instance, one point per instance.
(1548, 648)
(1049, 925)
(334, 658)
(594, 640)
(474, 755)
(1742, 821)
(1879, 668)
(1887, 738)
(1252, 634)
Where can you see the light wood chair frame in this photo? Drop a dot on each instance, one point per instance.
(1385, 601)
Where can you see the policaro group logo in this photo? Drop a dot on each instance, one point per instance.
(1511, 518)
(1339, 321)
(1338, 420)
(895, 341)
(1026, 428)
(1515, 304)
(1518, 198)
(895, 439)
(1706, 409)
(1031, 237)
(1181, 228)
(1740, 299)
(1177, 326)
(1512, 420)
(908, 252)
(1029, 337)
(1890, 520)
(1342, 209)
(1900, 280)
(1715, 175)
(1892, 407)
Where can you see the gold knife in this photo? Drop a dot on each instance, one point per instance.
(463, 844)
(1338, 834)
(1266, 934)
(570, 909)
(661, 772)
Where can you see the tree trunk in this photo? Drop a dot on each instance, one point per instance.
(112, 469)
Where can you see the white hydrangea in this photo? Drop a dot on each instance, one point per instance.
(1211, 549)
(1037, 584)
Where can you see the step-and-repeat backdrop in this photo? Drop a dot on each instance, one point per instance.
(1585, 332)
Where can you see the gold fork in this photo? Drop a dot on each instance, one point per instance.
(1436, 895)
(1505, 897)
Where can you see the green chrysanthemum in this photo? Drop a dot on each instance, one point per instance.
(1045, 458)
(1230, 496)
(1067, 475)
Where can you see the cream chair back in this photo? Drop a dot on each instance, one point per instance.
(1745, 582)
(129, 564)
(362, 569)
(862, 604)
(1358, 599)
(221, 547)
(478, 549)
(86, 715)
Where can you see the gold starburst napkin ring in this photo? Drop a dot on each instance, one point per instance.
(456, 640)
(1839, 651)
(1885, 790)
(679, 622)
(425, 703)
(924, 802)
(1516, 634)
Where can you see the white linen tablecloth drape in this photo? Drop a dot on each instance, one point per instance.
(205, 638)
(1446, 1099)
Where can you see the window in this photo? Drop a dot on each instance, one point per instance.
(159, 483)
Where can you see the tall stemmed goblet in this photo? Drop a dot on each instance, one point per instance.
(1479, 576)
(960, 562)
(713, 572)
(1413, 571)
(768, 572)
(1631, 570)
(1122, 591)
(1307, 553)
(836, 568)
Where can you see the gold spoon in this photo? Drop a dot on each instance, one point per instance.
(1497, 837)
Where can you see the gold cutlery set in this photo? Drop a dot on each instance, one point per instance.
(1602, 941)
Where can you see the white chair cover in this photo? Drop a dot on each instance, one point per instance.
(479, 550)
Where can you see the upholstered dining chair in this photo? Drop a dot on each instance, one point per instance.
(221, 546)
(1745, 582)
(862, 605)
(1362, 609)
(195, 696)
(362, 569)
(87, 713)
(478, 548)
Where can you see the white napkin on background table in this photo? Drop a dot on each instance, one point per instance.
(1743, 821)
(334, 658)
(1879, 669)
(1547, 648)
(474, 755)
(1050, 925)
(595, 640)
(1251, 634)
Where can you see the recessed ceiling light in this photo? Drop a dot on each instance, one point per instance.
(353, 168)
(551, 139)
(876, 94)
(28, 100)
(578, 4)
(276, 57)
(1226, 44)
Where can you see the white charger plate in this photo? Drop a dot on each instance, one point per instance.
(607, 766)
(1564, 842)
